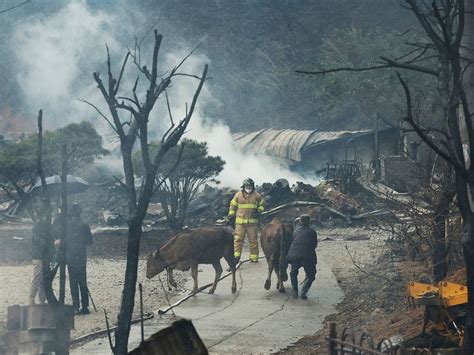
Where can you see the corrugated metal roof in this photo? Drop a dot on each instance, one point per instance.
(287, 143)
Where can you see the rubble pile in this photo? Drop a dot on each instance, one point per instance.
(278, 193)
(337, 200)
(105, 204)
(210, 204)
(323, 202)
(306, 192)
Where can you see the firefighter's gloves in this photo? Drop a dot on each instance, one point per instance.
(229, 220)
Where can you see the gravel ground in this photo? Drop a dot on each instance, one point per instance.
(105, 272)
(105, 280)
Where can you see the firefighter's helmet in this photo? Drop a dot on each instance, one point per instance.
(248, 182)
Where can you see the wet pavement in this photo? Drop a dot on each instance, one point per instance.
(253, 320)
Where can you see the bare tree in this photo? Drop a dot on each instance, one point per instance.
(449, 26)
(61, 345)
(445, 23)
(129, 130)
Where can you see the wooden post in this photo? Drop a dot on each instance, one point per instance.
(140, 288)
(332, 335)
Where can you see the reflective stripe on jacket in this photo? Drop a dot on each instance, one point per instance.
(244, 207)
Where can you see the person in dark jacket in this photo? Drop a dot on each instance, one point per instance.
(41, 249)
(79, 237)
(302, 254)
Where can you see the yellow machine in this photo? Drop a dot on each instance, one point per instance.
(445, 311)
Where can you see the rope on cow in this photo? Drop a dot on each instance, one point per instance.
(167, 298)
(200, 289)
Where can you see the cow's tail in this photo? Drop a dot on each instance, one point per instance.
(283, 262)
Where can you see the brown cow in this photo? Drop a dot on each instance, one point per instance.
(192, 247)
(276, 240)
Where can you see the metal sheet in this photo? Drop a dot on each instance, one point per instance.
(287, 144)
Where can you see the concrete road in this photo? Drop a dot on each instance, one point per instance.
(253, 320)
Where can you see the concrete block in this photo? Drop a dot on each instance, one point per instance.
(39, 316)
(12, 339)
(36, 335)
(36, 348)
(14, 315)
(35, 331)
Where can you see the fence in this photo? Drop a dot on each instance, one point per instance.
(348, 344)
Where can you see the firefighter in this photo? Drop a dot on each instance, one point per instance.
(245, 208)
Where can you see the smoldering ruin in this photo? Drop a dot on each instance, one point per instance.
(342, 131)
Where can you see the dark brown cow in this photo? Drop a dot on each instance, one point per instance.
(192, 247)
(276, 240)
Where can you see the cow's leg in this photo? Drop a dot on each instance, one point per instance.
(280, 286)
(268, 281)
(218, 269)
(170, 278)
(277, 273)
(194, 274)
(231, 261)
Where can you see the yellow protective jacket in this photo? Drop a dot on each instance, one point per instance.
(244, 207)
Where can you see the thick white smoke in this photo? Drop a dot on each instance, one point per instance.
(218, 136)
(57, 54)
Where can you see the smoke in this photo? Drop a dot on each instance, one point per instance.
(217, 134)
(239, 165)
(56, 54)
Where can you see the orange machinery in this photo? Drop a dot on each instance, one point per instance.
(445, 310)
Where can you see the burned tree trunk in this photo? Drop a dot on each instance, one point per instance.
(129, 289)
(47, 211)
(440, 263)
(130, 130)
(443, 191)
(61, 345)
(63, 235)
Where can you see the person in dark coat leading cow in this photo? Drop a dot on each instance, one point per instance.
(79, 236)
(302, 254)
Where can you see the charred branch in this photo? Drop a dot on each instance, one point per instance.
(14, 7)
(421, 132)
(387, 64)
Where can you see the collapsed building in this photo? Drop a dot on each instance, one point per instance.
(389, 155)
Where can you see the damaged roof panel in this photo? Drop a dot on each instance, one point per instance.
(288, 143)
